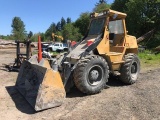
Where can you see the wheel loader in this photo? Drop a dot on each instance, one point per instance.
(105, 50)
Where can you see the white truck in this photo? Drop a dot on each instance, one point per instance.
(57, 47)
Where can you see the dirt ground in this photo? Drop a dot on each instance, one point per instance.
(140, 101)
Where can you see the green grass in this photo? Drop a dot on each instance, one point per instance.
(54, 53)
(148, 58)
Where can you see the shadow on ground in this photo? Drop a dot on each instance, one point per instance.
(113, 81)
(23, 106)
(74, 92)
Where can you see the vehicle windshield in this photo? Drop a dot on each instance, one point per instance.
(56, 44)
(96, 26)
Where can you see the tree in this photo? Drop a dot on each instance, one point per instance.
(42, 37)
(50, 30)
(146, 16)
(142, 16)
(71, 33)
(101, 2)
(59, 33)
(82, 23)
(30, 34)
(68, 20)
(100, 7)
(119, 5)
(7, 37)
(63, 22)
(35, 37)
(18, 30)
(58, 26)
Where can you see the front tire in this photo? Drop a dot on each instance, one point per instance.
(91, 74)
(130, 69)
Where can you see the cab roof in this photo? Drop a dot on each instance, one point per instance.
(111, 13)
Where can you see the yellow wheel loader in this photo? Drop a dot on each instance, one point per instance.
(106, 49)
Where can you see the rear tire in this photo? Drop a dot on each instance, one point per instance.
(130, 69)
(91, 74)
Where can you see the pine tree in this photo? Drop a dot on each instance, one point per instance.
(50, 30)
(58, 26)
(63, 22)
(100, 6)
(101, 2)
(30, 34)
(68, 20)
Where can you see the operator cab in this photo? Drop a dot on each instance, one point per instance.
(102, 27)
(112, 20)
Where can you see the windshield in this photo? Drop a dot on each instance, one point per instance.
(96, 26)
(56, 44)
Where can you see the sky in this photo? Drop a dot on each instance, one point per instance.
(38, 15)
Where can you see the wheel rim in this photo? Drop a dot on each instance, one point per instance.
(95, 75)
(134, 70)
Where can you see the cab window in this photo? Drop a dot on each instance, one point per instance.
(116, 27)
(96, 26)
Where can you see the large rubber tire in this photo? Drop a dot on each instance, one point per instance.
(130, 69)
(91, 74)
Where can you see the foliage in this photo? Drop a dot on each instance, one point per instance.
(63, 22)
(68, 20)
(54, 53)
(34, 38)
(142, 16)
(154, 42)
(42, 37)
(71, 33)
(99, 8)
(149, 58)
(147, 16)
(82, 23)
(59, 33)
(30, 34)
(7, 37)
(56, 29)
(50, 30)
(119, 5)
(58, 26)
(101, 2)
(18, 30)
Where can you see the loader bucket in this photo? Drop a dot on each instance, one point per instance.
(41, 86)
